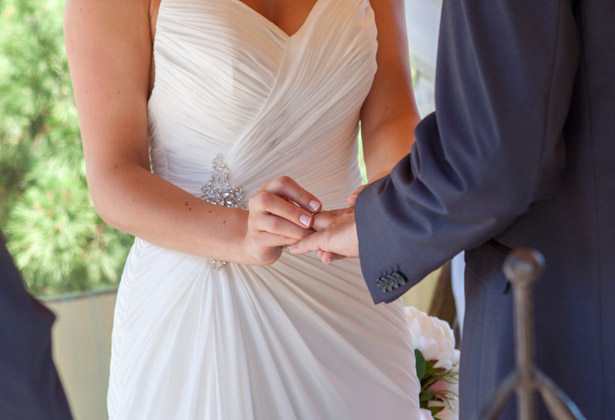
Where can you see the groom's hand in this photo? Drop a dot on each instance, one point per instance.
(336, 234)
(328, 257)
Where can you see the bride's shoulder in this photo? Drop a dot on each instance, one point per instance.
(153, 6)
(390, 16)
(396, 5)
(116, 25)
(108, 14)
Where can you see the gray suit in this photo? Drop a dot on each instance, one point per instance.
(519, 153)
(29, 384)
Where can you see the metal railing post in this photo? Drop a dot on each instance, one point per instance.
(523, 267)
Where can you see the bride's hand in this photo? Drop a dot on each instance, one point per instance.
(275, 220)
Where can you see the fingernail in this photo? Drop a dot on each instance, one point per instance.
(315, 205)
(327, 261)
(292, 248)
(305, 219)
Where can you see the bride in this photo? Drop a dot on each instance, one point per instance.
(199, 120)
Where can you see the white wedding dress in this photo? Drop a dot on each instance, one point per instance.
(294, 340)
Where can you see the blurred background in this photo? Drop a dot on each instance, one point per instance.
(68, 256)
(57, 239)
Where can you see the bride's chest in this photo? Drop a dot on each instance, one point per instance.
(221, 61)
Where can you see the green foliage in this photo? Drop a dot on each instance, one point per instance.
(52, 229)
(432, 397)
(421, 364)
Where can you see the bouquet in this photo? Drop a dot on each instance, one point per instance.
(437, 365)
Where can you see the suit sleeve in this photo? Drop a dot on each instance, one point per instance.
(29, 385)
(504, 82)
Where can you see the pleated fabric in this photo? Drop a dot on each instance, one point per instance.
(294, 340)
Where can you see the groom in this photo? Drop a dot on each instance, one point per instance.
(519, 153)
(29, 384)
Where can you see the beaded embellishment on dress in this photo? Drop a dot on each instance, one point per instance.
(220, 192)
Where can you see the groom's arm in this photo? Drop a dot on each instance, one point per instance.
(494, 146)
(29, 385)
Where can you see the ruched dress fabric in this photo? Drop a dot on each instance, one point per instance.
(294, 340)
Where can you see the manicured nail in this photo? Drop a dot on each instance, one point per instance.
(315, 205)
(305, 219)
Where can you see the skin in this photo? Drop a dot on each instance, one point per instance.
(336, 238)
(109, 49)
(387, 133)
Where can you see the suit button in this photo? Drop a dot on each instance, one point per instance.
(399, 278)
(388, 282)
(391, 282)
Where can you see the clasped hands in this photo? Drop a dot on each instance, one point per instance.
(282, 213)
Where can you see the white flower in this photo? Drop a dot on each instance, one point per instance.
(436, 341)
(448, 414)
(433, 337)
(425, 414)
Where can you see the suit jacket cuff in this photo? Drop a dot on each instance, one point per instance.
(383, 276)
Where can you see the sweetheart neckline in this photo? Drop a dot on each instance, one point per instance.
(275, 26)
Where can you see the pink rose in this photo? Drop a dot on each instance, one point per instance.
(439, 386)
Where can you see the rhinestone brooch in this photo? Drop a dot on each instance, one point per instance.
(220, 192)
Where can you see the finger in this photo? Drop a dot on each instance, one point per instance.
(322, 221)
(352, 199)
(287, 187)
(279, 226)
(325, 219)
(270, 203)
(330, 257)
(311, 243)
(271, 240)
(325, 257)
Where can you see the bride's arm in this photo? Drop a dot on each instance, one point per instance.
(388, 119)
(109, 51)
(389, 114)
